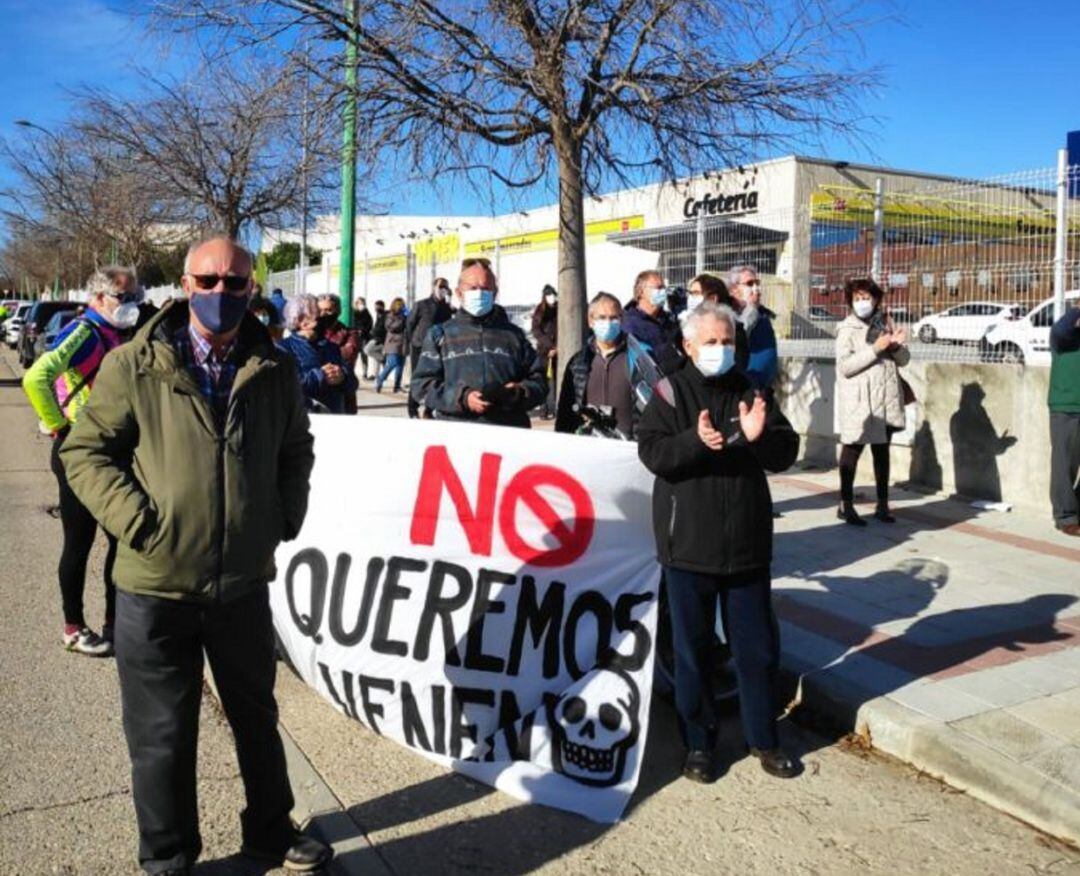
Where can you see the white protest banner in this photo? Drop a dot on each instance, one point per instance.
(484, 596)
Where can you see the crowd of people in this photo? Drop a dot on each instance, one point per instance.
(195, 489)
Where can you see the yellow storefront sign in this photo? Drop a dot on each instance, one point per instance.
(968, 215)
(535, 241)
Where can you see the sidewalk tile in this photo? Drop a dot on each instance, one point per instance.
(1058, 713)
(1000, 686)
(935, 700)
(1012, 736)
(1061, 765)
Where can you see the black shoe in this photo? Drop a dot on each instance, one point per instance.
(884, 514)
(848, 514)
(305, 855)
(700, 766)
(776, 763)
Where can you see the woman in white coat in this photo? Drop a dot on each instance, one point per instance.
(869, 396)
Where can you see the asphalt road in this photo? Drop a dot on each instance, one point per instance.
(65, 804)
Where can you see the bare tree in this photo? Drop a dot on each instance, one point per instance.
(579, 93)
(226, 148)
(86, 191)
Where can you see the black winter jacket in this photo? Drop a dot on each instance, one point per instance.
(467, 353)
(576, 382)
(712, 510)
(660, 334)
(431, 311)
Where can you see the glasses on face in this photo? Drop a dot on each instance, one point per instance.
(231, 282)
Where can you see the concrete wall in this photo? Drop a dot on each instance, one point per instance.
(977, 431)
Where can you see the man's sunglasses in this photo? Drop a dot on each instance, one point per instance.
(232, 282)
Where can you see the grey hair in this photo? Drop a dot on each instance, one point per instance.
(332, 298)
(115, 271)
(210, 239)
(299, 306)
(100, 283)
(734, 276)
(639, 281)
(601, 297)
(720, 312)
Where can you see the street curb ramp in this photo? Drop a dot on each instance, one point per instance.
(943, 752)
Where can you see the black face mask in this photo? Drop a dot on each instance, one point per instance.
(325, 322)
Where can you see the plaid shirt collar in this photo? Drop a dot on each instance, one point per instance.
(204, 352)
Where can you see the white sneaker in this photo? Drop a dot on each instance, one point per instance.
(85, 641)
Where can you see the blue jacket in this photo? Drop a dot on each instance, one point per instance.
(310, 357)
(659, 334)
(277, 298)
(764, 362)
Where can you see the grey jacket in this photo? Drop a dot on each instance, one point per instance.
(869, 401)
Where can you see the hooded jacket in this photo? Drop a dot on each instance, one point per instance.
(198, 507)
(712, 510)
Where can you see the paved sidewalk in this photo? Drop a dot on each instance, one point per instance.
(950, 639)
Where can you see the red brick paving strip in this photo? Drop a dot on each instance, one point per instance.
(1035, 545)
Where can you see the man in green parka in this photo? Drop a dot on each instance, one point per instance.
(195, 453)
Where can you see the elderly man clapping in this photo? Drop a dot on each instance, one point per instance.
(712, 514)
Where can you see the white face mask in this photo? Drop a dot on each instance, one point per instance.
(863, 308)
(551, 299)
(715, 359)
(125, 316)
(693, 301)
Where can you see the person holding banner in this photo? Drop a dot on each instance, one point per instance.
(478, 366)
(712, 517)
(195, 453)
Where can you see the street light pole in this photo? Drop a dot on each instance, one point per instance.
(348, 173)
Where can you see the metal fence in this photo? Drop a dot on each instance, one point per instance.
(970, 268)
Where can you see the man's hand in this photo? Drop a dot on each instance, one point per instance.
(708, 435)
(334, 374)
(475, 402)
(752, 419)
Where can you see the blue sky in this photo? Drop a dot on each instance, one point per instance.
(971, 88)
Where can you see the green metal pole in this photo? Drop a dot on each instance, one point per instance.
(348, 175)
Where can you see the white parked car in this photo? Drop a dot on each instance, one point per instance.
(1025, 340)
(965, 323)
(13, 323)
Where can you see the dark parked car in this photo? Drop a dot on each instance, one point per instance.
(47, 339)
(36, 321)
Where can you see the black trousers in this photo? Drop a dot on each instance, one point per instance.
(1064, 464)
(754, 638)
(849, 462)
(159, 655)
(80, 527)
(414, 363)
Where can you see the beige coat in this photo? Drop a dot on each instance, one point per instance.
(869, 401)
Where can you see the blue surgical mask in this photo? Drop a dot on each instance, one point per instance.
(715, 360)
(478, 302)
(658, 296)
(606, 331)
(219, 312)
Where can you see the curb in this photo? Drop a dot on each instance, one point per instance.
(320, 813)
(944, 753)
